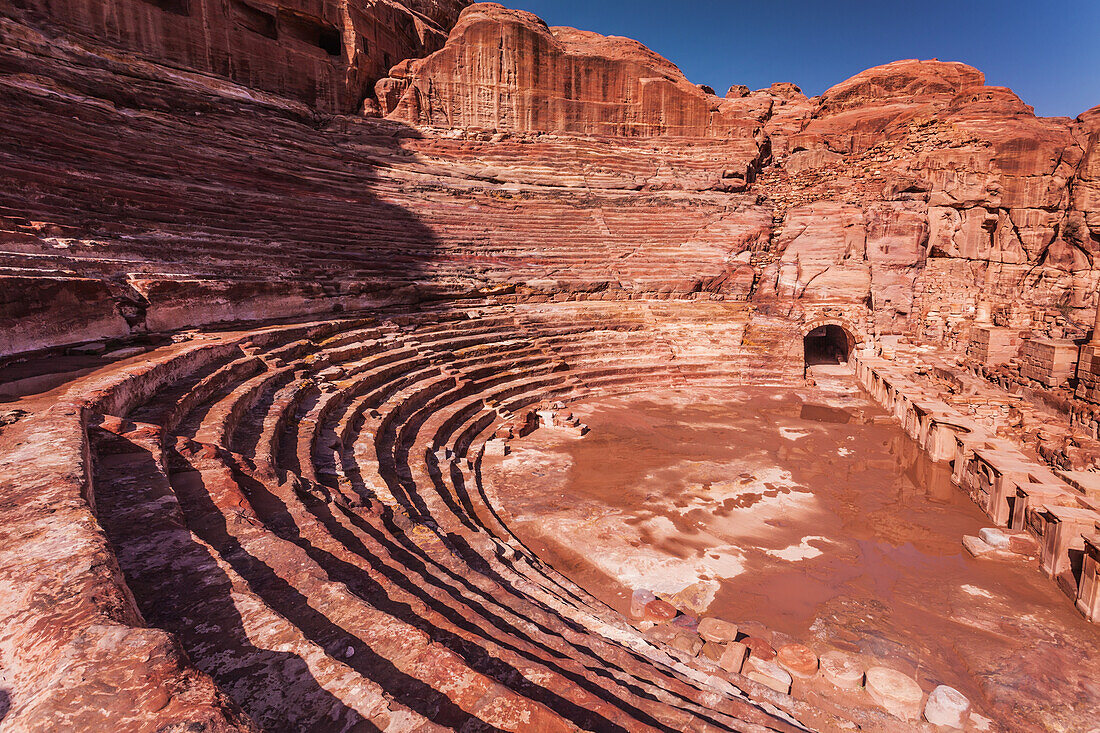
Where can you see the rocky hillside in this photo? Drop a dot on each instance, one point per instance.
(519, 157)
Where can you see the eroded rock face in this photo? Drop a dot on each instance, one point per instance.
(960, 182)
(565, 197)
(945, 174)
(904, 196)
(900, 199)
(1082, 227)
(506, 69)
(326, 53)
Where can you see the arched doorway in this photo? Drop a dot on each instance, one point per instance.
(828, 344)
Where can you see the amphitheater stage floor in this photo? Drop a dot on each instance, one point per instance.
(803, 515)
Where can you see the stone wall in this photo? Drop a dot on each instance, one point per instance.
(39, 312)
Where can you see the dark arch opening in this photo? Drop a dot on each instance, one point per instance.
(827, 345)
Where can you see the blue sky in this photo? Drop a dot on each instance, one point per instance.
(1048, 51)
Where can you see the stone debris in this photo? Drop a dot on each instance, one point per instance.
(797, 659)
(768, 673)
(686, 621)
(1023, 543)
(717, 630)
(948, 707)
(638, 601)
(658, 610)
(995, 537)
(759, 648)
(662, 633)
(10, 417)
(896, 693)
(982, 723)
(978, 548)
(496, 448)
(687, 643)
(712, 651)
(733, 657)
(695, 598)
(841, 670)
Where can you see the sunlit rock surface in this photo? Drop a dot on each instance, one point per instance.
(291, 292)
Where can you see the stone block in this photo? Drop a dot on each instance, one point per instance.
(717, 630)
(841, 670)
(896, 693)
(733, 657)
(947, 706)
(797, 659)
(659, 611)
(991, 345)
(1050, 362)
(769, 674)
(759, 648)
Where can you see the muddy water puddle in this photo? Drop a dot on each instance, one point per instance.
(808, 514)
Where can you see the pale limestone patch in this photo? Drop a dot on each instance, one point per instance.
(802, 551)
(633, 554)
(793, 433)
(975, 591)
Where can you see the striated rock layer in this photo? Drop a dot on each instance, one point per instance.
(505, 69)
(942, 176)
(285, 320)
(326, 53)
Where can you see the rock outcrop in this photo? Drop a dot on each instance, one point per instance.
(325, 53)
(972, 190)
(960, 181)
(505, 69)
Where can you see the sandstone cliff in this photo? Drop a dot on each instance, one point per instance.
(899, 199)
(947, 183)
(553, 209)
(975, 188)
(326, 53)
(505, 69)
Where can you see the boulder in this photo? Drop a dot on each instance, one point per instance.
(841, 670)
(717, 630)
(797, 659)
(947, 706)
(895, 692)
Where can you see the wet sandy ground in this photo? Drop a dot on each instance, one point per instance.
(809, 513)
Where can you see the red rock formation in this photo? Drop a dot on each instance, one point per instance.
(326, 53)
(505, 69)
(547, 212)
(982, 183)
(973, 175)
(1082, 227)
(42, 311)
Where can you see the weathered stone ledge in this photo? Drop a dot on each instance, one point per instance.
(1014, 490)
